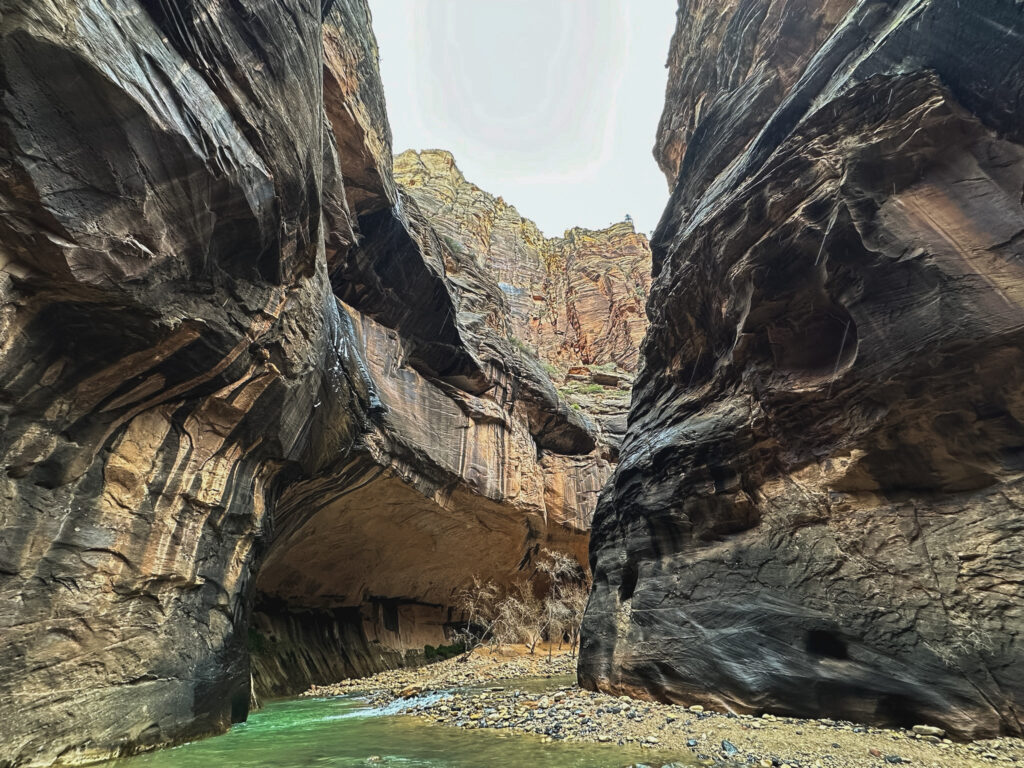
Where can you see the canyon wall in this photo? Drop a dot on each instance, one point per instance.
(167, 325)
(574, 300)
(817, 510)
(239, 367)
(509, 462)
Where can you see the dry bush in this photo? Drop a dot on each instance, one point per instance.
(575, 597)
(569, 587)
(522, 615)
(478, 603)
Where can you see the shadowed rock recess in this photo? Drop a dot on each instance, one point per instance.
(251, 403)
(818, 506)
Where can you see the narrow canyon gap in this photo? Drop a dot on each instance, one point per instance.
(269, 397)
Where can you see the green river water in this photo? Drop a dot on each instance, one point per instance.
(344, 731)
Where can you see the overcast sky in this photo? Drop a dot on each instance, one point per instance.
(552, 104)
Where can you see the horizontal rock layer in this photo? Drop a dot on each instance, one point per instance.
(818, 507)
(443, 476)
(575, 303)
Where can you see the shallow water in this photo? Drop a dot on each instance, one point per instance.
(344, 731)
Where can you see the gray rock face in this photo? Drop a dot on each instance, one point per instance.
(818, 505)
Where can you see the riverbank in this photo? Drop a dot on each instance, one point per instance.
(571, 714)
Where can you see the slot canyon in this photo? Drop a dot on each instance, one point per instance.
(271, 395)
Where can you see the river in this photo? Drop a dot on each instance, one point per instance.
(345, 731)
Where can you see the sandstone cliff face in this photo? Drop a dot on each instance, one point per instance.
(818, 506)
(730, 66)
(235, 358)
(166, 324)
(456, 463)
(574, 300)
(397, 526)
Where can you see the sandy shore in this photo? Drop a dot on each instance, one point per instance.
(567, 712)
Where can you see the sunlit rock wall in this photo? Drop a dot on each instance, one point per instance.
(572, 300)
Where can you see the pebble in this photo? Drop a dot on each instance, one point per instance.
(442, 694)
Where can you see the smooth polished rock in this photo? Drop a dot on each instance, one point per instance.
(818, 504)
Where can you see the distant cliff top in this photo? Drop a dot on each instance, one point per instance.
(575, 300)
(431, 167)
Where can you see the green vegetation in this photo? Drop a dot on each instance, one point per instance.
(522, 347)
(550, 369)
(575, 406)
(259, 643)
(592, 389)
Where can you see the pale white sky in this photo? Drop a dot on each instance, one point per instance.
(551, 104)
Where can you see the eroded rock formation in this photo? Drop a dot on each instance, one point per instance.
(167, 323)
(574, 300)
(818, 505)
(238, 365)
(398, 524)
(485, 458)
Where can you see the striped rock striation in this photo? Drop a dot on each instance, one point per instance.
(818, 507)
(251, 403)
(575, 300)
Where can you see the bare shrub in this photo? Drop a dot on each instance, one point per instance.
(575, 597)
(547, 606)
(478, 603)
(567, 596)
(520, 617)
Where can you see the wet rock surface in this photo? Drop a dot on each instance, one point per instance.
(166, 323)
(817, 508)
